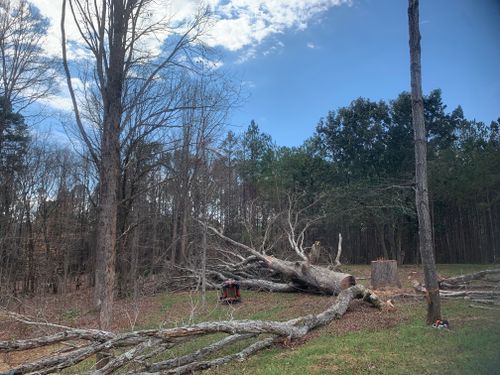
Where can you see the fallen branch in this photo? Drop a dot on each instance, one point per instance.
(481, 294)
(463, 280)
(476, 294)
(487, 301)
(140, 344)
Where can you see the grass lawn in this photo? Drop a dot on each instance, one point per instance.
(471, 346)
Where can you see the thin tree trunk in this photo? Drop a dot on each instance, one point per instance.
(380, 229)
(175, 224)
(422, 195)
(30, 281)
(399, 246)
(461, 228)
(492, 228)
(204, 261)
(184, 256)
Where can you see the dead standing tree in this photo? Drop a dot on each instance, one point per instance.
(422, 193)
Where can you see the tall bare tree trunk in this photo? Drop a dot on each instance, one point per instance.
(204, 261)
(422, 195)
(106, 232)
(31, 278)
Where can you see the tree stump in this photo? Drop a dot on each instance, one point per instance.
(385, 273)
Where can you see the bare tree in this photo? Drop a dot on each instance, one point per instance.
(422, 194)
(27, 75)
(125, 76)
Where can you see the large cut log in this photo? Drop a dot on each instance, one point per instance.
(313, 276)
(385, 273)
(307, 275)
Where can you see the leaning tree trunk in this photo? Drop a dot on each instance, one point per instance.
(422, 196)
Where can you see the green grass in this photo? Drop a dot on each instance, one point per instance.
(214, 310)
(471, 346)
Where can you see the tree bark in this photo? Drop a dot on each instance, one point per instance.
(385, 273)
(422, 194)
(337, 263)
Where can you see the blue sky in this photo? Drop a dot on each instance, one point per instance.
(293, 78)
(298, 59)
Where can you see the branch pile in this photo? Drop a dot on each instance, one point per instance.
(481, 287)
(266, 272)
(144, 352)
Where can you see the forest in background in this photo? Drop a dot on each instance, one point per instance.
(354, 175)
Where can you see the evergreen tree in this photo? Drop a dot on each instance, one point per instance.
(14, 142)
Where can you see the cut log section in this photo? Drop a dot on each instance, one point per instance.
(385, 273)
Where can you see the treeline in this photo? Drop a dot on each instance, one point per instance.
(353, 176)
(360, 165)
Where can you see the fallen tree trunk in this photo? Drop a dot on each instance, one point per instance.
(317, 277)
(269, 286)
(480, 294)
(302, 273)
(146, 344)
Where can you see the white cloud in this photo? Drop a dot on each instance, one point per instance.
(248, 54)
(238, 24)
(311, 45)
(58, 102)
(243, 23)
(52, 10)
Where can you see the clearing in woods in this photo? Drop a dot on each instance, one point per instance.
(363, 341)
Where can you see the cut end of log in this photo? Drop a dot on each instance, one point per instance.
(347, 282)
